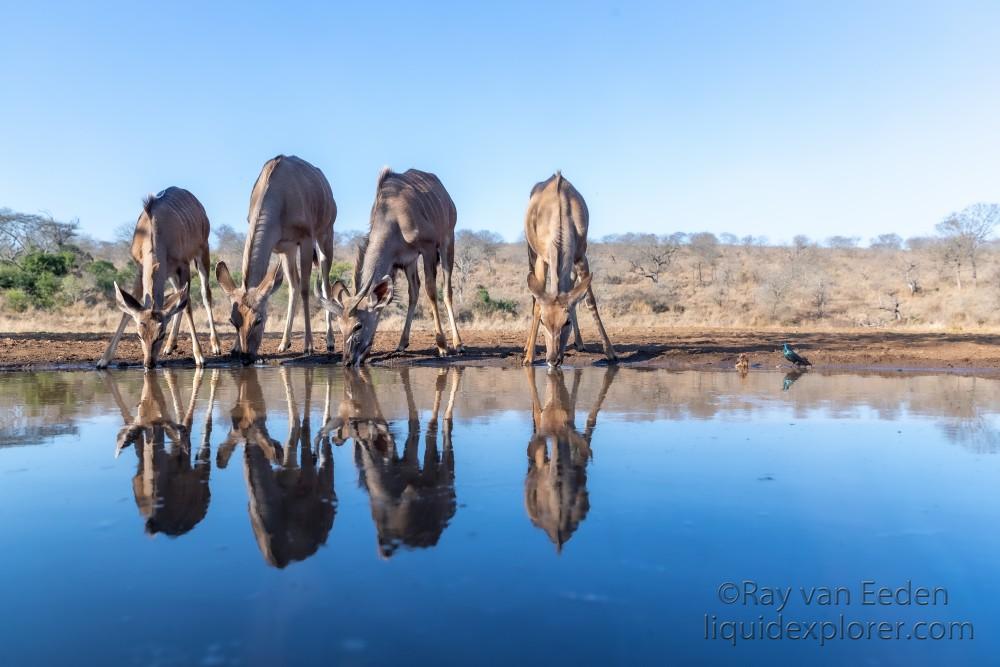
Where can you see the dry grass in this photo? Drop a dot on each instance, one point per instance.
(760, 288)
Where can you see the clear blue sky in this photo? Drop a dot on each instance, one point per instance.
(845, 118)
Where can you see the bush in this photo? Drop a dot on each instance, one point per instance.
(105, 274)
(486, 305)
(17, 300)
(40, 263)
(341, 271)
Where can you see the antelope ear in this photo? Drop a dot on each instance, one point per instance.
(127, 302)
(579, 291)
(225, 279)
(339, 291)
(380, 294)
(537, 288)
(271, 282)
(332, 305)
(176, 302)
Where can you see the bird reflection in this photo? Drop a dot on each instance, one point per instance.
(292, 501)
(555, 488)
(411, 501)
(791, 377)
(171, 493)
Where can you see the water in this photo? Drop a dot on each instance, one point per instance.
(313, 516)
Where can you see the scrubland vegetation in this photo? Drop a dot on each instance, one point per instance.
(53, 278)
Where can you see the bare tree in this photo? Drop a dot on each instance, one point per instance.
(21, 232)
(889, 301)
(653, 256)
(705, 247)
(474, 249)
(912, 278)
(820, 297)
(965, 233)
(778, 286)
(228, 243)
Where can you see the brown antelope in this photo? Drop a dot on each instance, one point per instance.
(172, 495)
(411, 503)
(555, 488)
(171, 232)
(292, 506)
(292, 213)
(556, 230)
(413, 218)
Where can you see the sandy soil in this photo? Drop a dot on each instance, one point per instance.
(643, 347)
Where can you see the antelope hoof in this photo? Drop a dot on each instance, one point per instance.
(460, 348)
(579, 347)
(216, 348)
(442, 352)
(283, 347)
(307, 351)
(200, 362)
(526, 361)
(101, 365)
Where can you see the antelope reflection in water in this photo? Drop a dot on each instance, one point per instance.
(411, 503)
(555, 488)
(292, 501)
(171, 494)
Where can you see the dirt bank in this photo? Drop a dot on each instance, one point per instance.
(643, 347)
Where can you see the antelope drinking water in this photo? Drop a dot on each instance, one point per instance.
(556, 230)
(292, 213)
(413, 217)
(171, 232)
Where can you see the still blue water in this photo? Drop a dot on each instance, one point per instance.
(314, 516)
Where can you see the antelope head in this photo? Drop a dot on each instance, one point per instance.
(358, 316)
(249, 313)
(555, 320)
(151, 322)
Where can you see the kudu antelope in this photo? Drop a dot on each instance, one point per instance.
(413, 218)
(171, 495)
(292, 213)
(556, 230)
(411, 503)
(171, 232)
(292, 502)
(555, 488)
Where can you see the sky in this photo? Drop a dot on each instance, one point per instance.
(762, 118)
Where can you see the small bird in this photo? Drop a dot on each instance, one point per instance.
(742, 363)
(794, 356)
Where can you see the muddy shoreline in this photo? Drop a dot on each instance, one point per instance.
(677, 349)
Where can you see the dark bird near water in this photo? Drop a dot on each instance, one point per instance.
(794, 356)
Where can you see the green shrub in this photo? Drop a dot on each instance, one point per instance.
(487, 305)
(17, 300)
(341, 271)
(40, 263)
(104, 273)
